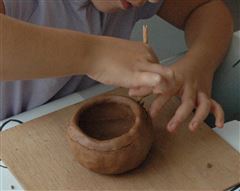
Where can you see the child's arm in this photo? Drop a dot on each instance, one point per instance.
(29, 51)
(208, 30)
(208, 27)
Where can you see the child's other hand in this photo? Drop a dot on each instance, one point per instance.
(125, 63)
(193, 85)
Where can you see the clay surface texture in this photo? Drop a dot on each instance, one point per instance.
(105, 121)
(110, 134)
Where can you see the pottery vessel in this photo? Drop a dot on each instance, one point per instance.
(110, 134)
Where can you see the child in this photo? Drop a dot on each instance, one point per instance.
(71, 44)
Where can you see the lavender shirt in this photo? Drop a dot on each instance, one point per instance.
(79, 15)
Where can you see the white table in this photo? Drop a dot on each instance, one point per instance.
(230, 133)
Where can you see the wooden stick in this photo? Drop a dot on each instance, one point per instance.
(145, 34)
(145, 41)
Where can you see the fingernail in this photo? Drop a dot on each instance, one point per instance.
(220, 125)
(194, 126)
(131, 94)
(153, 113)
(153, 1)
(172, 126)
(169, 72)
(156, 79)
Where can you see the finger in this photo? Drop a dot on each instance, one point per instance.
(184, 110)
(157, 104)
(203, 109)
(167, 87)
(152, 57)
(146, 79)
(162, 88)
(142, 91)
(218, 112)
(169, 79)
(165, 72)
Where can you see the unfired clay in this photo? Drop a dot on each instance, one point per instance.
(110, 134)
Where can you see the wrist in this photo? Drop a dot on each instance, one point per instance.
(190, 67)
(201, 58)
(198, 61)
(95, 52)
(86, 53)
(188, 71)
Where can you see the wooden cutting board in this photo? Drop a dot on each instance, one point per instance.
(38, 155)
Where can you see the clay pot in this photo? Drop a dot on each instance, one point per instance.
(110, 134)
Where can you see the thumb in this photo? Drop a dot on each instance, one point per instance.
(158, 104)
(147, 79)
(141, 91)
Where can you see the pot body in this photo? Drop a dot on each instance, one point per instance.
(117, 155)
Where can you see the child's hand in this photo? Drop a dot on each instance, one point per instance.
(125, 63)
(194, 87)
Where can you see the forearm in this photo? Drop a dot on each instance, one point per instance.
(208, 34)
(28, 51)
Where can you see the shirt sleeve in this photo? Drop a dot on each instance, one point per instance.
(20, 9)
(148, 10)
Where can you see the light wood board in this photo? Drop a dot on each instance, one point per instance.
(38, 155)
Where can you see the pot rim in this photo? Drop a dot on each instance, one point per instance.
(116, 143)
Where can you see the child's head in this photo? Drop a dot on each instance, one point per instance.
(116, 5)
